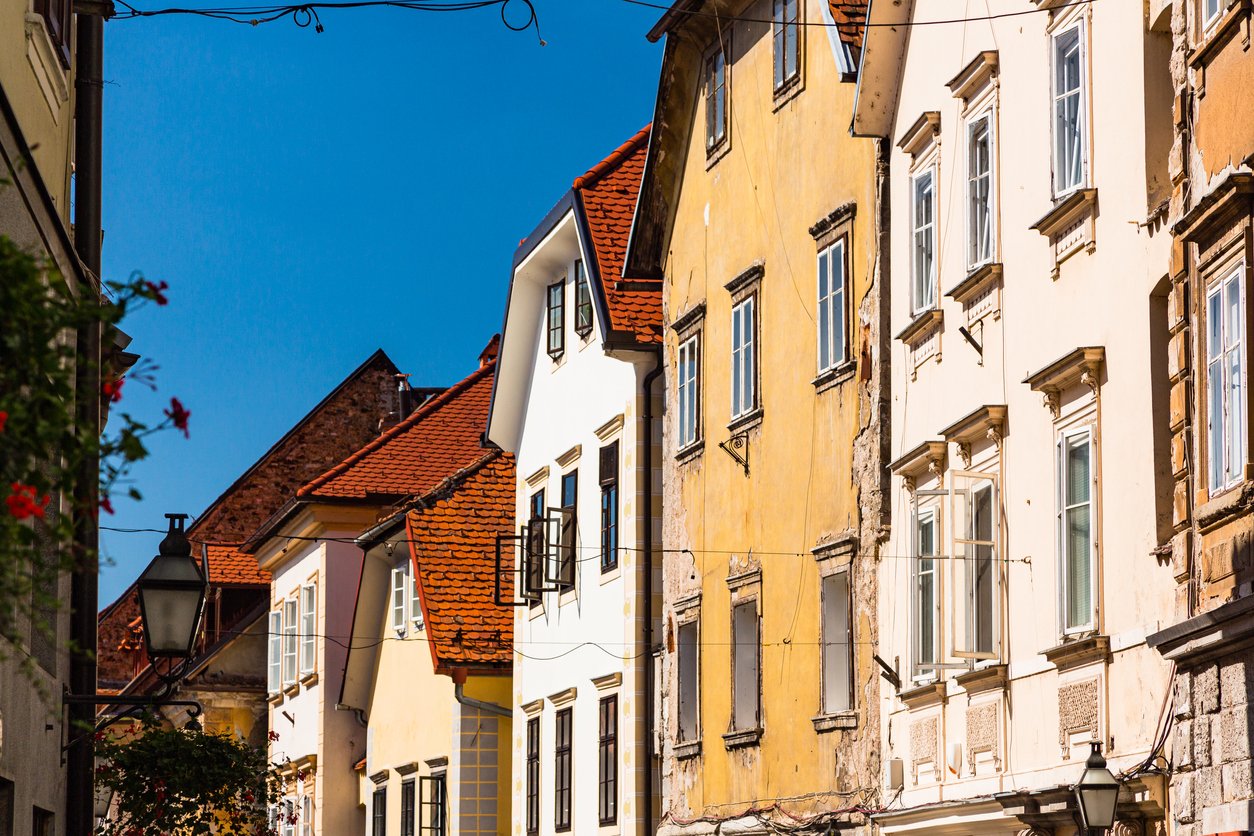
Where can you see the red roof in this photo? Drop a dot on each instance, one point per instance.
(441, 437)
(608, 191)
(452, 533)
(850, 17)
(228, 566)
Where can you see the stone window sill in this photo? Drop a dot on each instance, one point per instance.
(1084, 650)
(834, 376)
(748, 421)
(691, 749)
(692, 451)
(308, 679)
(741, 739)
(831, 722)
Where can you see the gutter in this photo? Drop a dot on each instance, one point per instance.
(649, 696)
(459, 694)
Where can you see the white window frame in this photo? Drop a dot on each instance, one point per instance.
(274, 665)
(1065, 439)
(926, 670)
(306, 815)
(291, 640)
(922, 287)
(1210, 16)
(744, 357)
(287, 817)
(398, 602)
(965, 611)
(836, 681)
(415, 605)
(832, 320)
(1063, 188)
(981, 251)
(689, 392)
(1227, 432)
(308, 627)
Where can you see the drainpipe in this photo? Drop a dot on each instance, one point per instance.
(459, 684)
(647, 743)
(84, 594)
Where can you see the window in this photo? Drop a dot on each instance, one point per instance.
(434, 805)
(715, 99)
(557, 319)
(415, 603)
(570, 531)
(306, 815)
(925, 599)
(980, 190)
(533, 775)
(745, 669)
(287, 818)
(290, 642)
(744, 369)
(400, 596)
(407, 807)
(58, 17)
(837, 644)
(43, 822)
(379, 812)
(583, 301)
(1069, 120)
(784, 14)
(689, 377)
(1225, 380)
(1075, 528)
(923, 286)
(562, 771)
(689, 691)
(6, 807)
(274, 682)
(1211, 9)
(974, 593)
(537, 547)
(609, 507)
(832, 342)
(308, 626)
(607, 761)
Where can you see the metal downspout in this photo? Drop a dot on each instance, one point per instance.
(647, 743)
(471, 702)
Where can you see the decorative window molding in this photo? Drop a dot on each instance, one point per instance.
(608, 682)
(747, 281)
(928, 459)
(540, 477)
(565, 697)
(975, 76)
(987, 423)
(827, 229)
(841, 548)
(1070, 226)
(922, 337)
(381, 776)
(922, 696)
(610, 428)
(924, 132)
(1083, 365)
(407, 768)
(533, 708)
(979, 293)
(571, 456)
(689, 320)
(987, 678)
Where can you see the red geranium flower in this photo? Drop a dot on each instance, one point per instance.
(4, 416)
(154, 290)
(112, 389)
(106, 505)
(178, 415)
(25, 502)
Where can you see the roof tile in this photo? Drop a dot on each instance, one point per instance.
(850, 17)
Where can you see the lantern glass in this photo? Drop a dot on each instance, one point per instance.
(1097, 793)
(171, 596)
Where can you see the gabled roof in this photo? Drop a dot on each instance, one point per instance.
(442, 436)
(608, 193)
(452, 532)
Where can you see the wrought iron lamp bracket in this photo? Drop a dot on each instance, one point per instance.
(733, 447)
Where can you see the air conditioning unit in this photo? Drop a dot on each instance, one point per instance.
(894, 774)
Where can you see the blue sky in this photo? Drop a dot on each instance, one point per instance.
(312, 197)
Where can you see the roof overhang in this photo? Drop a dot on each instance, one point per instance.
(308, 519)
(879, 68)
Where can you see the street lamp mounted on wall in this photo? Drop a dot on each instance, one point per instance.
(1096, 793)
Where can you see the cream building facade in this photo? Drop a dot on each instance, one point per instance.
(1028, 255)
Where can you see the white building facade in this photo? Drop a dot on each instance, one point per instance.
(572, 401)
(1028, 258)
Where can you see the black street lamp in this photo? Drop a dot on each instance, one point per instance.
(172, 596)
(1097, 792)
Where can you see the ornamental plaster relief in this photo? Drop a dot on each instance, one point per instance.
(984, 734)
(1077, 712)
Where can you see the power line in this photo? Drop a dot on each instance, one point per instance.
(306, 14)
(596, 550)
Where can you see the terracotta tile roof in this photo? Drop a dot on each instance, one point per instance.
(850, 17)
(608, 192)
(453, 544)
(229, 566)
(440, 437)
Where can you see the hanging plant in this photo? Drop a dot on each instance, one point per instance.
(180, 782)
(42, 445)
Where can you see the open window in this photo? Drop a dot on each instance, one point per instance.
(925, 581)
(974, 565)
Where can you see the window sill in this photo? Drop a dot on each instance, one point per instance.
(292, 690)
(275, 698)
(610, 575)
(834, 376)
(714, 153)
(692, 451)
(921, 696)
(683, 751)
(557, 357)
(566, 596)
(989, 678)
(308, 679)
(790, 90)
(742, 739)
(1076, 652)
(747, 421)
(831, 722)
(1223, 505)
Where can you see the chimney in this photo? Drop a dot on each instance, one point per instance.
(404, 397)
(491, 351)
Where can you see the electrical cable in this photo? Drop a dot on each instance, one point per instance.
(862, 25)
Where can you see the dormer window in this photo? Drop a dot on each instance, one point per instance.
(556, 319)
(583, 301)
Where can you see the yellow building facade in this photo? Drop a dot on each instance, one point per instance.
(759, 212)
